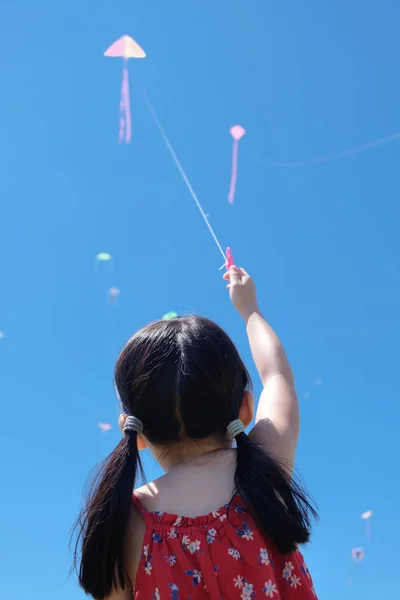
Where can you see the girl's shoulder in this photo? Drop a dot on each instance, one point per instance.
(148, 495)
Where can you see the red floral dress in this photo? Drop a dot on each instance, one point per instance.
(214, 557)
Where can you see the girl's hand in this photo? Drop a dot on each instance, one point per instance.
(242, 291)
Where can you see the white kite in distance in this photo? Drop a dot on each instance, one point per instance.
(367, 515)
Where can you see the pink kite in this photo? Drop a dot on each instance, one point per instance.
(229, 259)
(125, 48)
(237, 132)
(113, 294)
(105, 427)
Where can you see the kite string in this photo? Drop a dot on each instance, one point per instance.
(182, 172)
(330, 158)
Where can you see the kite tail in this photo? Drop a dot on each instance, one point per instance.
(125, 122)
(121, 112)
(232, 187)
(127, 105)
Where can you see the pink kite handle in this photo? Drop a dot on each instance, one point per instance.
(229, 259)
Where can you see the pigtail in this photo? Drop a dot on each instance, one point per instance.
(103, 523)
(279, 506)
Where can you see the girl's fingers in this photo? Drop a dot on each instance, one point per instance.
(238, 274)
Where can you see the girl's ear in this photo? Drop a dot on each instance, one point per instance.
(121, 421)
(142, 443)
(246, 412)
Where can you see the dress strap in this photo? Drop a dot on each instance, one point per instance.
(140, 507)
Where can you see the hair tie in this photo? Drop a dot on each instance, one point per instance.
(234, 428)
(133, 424)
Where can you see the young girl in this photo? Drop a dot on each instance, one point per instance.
(224, 522)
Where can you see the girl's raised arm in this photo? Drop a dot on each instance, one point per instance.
(277, 419)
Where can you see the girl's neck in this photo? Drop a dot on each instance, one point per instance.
(192, 454)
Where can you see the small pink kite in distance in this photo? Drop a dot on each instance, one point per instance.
(1, 335)
(105, 427)
(318, 382)
(125, 48)
(237, 132)
(113, 294)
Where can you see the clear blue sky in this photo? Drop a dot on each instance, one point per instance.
(304, 79)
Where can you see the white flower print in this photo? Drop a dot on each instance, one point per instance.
(156, 595)
(174, 591)
(178, 522)
(211, 533)
(215, 514)
(171, 560)
(295, 581)
(247, 535)
(195, 575)
(287, 571)
(222, 518)
(234, 553)
(247, 591)
(145, 551)
(172, 533)
(246, 532)
(270, 589)
(148, 568)
(239, 581)
(193, 546)
(263, 558)
(185, 541)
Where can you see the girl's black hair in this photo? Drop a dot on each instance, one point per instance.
(185, 380)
